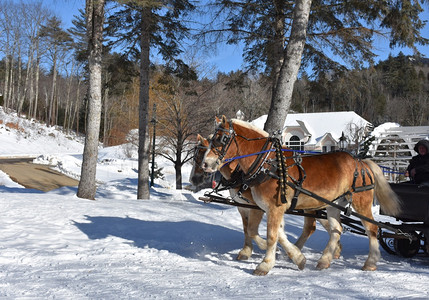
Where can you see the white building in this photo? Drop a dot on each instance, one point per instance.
(321, 131)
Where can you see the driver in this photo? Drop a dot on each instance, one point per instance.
(418, 169)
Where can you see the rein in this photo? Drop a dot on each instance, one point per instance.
(228, 160)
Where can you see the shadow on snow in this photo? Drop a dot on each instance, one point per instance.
(189, 239)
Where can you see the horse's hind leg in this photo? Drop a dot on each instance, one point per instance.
(334, 231)
(325, 224)
(307, 231)
(251, 219)
(309, 228)
(362, 204)
(374, 250)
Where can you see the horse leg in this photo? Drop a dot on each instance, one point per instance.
(307, 231)
(362, 204)
(255, 218)
(246, 252)
(309, 228)
(335, 231)
(251, 219)
(325, 224)
(275, 230)
(292, 250)
(374, 250)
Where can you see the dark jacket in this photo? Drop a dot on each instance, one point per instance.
(420, 163)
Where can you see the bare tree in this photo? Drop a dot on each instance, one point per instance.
(59, 44)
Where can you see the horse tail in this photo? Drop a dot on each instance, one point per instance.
(389, 201)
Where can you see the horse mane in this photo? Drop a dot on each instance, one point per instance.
(250, 126)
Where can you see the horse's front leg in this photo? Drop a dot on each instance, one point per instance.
(275, 232)
(274, 221)
(251, 219)
(247, 249)
(255, 218)
(335, 230)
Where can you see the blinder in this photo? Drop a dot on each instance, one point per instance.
(223, 142)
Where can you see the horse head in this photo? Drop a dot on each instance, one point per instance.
(198, 176)
(220, 145)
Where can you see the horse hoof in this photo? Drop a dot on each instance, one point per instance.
(259, 273)
(369, 268)
(322, 266)
(337, 252)
(301, 264)
(242, 257)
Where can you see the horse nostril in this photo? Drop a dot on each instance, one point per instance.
(205, 165)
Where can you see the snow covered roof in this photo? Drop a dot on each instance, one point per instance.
(319, 124)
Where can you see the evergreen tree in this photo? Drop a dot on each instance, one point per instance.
(161, 27)
(336, 30)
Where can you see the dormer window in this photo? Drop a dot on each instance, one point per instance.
(295, 143)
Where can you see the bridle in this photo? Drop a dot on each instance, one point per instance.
(199, 152)
(223, 138)
(223, 142)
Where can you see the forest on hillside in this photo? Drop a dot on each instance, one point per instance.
(43, 76)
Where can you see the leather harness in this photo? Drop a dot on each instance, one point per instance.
(263, 169)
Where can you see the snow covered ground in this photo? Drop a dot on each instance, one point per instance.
(56, 246)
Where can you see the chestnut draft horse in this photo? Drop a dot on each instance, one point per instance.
(251, 218)
(279, 179)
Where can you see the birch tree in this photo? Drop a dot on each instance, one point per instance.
(94, 21)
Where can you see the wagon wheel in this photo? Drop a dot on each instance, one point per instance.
(407, 248)
(386, 242)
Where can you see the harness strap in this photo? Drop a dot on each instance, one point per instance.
(341, 208)
(364, 171)
(259, 161)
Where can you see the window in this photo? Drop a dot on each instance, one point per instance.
(295, 143)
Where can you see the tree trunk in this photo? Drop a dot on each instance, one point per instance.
(106, 108)
(68, 104)
(10, 89)
(36, 83)
(282, 95)
(178, 169)
(6, 81)
(18, 84)
(26, 83)
(144, 140)
(52, 97)
(95, 19)
(278, 43)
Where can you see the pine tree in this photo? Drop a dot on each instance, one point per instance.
(160, 26)
(340, 30)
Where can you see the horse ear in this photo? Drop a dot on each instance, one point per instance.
(218, 121)
(224, 120)
(199, 138)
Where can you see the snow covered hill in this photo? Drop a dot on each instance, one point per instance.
(56, 246)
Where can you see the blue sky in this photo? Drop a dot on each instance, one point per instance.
(228, 57)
